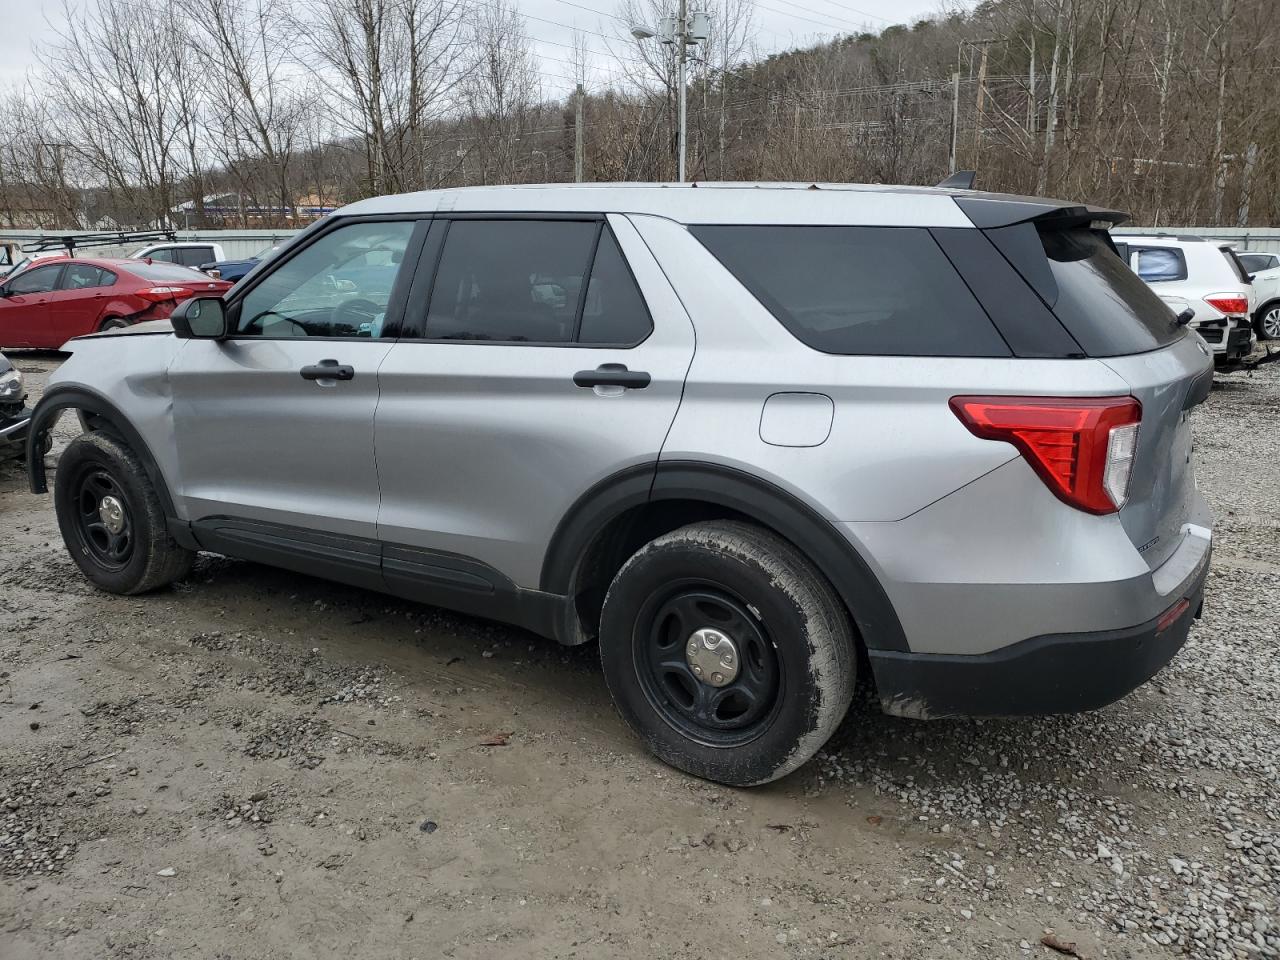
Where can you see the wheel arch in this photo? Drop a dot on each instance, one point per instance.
(87, 401)
(621, 513)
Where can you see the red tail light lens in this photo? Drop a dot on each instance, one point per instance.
(1228, 303)
(161, 294)
(1082, 447)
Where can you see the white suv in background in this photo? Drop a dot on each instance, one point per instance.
(1265, 269)
(191, 253)
(1205, 276)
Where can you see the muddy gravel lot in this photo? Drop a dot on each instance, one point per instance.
(256, 764)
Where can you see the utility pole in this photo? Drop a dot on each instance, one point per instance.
(682, 58)
(955, 115)
(981, 105)
(1033, 109)
(577, 136)
(684, 30)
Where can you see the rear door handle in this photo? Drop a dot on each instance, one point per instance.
(328, 370)
(612, 375)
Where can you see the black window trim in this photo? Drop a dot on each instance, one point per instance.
(1139, 248)
(396, 306)
(414, 327)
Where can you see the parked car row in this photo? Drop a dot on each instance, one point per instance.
(1232, 296)
(48, 303)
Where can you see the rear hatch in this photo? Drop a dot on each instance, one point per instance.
(1068, 258)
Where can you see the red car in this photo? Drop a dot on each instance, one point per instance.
(48, 304)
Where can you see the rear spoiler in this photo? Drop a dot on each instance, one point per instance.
(997, 211)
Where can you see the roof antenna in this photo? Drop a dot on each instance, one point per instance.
(960, 180)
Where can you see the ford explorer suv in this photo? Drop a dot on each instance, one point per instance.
(758, 441)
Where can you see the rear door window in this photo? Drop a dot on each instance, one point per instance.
(613, 311)
(876, 291)
(1158, 264)
(82, 276)
(512, 281)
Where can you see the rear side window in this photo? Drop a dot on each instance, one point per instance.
(877, 291)
(195, 256)
(1156, 264)
(1103, 304)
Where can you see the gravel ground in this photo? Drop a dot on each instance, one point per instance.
(256, 764)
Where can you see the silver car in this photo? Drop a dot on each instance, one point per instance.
(761, 441)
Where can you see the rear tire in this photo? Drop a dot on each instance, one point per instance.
(111, 323)
(1267, 321)
(111, 519)
(791, 663)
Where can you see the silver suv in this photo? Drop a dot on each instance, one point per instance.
(760, 441)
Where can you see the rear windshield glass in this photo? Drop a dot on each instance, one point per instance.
(166, 271)
(887, 291)
(1254, 262)
(1103, 303)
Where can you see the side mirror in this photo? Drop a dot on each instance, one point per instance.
(1186, 316)
(200, 318)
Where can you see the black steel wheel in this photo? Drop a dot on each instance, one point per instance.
(706, 663)
(102, 522)
(727, 652)
(111, 518)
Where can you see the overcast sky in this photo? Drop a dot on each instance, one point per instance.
(779, 24)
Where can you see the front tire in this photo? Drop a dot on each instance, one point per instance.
(1267, 322)
(111, 519)
(727, 652)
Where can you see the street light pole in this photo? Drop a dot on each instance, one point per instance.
(684, 30)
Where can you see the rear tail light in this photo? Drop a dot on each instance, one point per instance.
(1228, 303)
(161, 294)
(1172, 615)
(1082, 447)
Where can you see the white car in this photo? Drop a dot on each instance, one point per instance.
(187, 253)
(1203, 276)
(1265, 268)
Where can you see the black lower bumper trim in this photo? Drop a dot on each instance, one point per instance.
(1060, 673)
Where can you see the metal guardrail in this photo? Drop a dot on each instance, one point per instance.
(236, 244)
(1260, 239)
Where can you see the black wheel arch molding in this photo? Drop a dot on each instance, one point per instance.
(741, 493)
(61, 397)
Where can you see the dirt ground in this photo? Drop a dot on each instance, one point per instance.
(256, 764)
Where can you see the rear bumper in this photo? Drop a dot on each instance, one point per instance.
(1239, 343)
(1056, 673)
